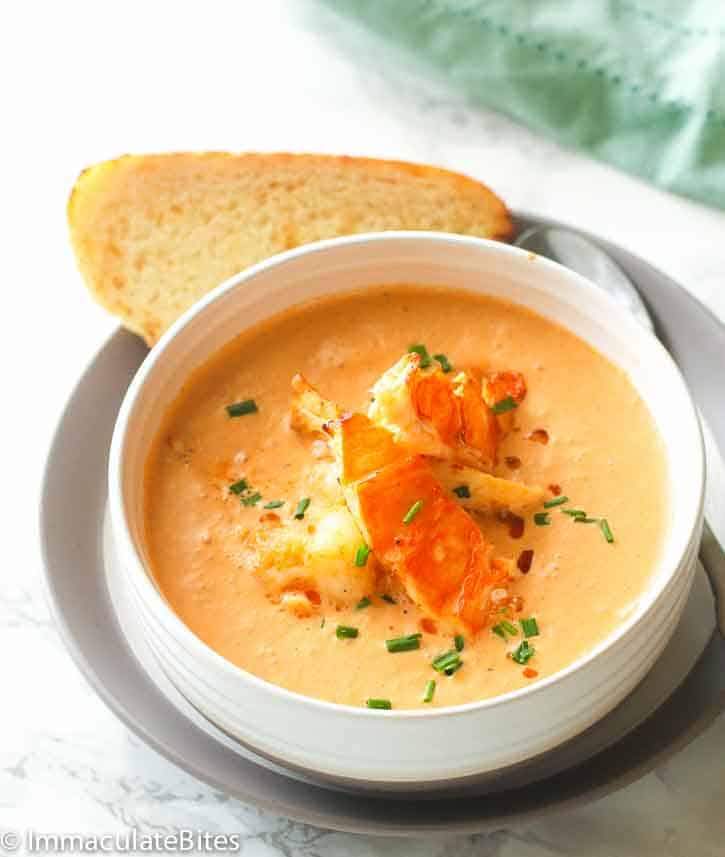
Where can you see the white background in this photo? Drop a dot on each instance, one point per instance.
(85, 81)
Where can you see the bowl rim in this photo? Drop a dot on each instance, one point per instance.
(140, 577)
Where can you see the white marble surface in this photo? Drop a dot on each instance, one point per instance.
(85, 81)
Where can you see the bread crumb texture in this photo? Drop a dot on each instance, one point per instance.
(154, 233)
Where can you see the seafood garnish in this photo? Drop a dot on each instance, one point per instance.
(451, 417)
(414, 529)
(310, 564)
(483, 492)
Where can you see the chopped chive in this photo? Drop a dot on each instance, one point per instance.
(430, 689)
(345, 632)
(556, 501)
(322, 622)
(425, 360)
(582, 519)
(238, 487)
(382, 704)
(607, 530)
(239, 409)
(524, 652)
(446, 661)
(440, 662)
(459, 642)
(274, 504)
(302, 508)
(574, 513)
(505, 405)
(530, 627)
(361, 555)
(462, 491)
(453, 669)
(388, 598)
(413, 511)
(445, 364)
(504, 627)
(251, 499)
(363, 603)
(403, 644)
(542, 519)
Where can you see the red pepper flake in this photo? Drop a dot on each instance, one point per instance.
(539, 436)
(269, 518)
(513, 462)
(428, 625)
(555, 489)
(504, 385)
(524, 561)
(514, 523)
(313, 597)
(529, 673)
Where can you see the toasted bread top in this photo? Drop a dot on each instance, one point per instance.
(154, 233)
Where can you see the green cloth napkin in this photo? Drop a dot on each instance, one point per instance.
(638, 84)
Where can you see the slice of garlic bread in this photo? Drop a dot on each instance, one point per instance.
(153, 233)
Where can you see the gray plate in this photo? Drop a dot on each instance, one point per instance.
(71, 526)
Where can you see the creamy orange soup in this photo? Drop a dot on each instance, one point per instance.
(582, 432)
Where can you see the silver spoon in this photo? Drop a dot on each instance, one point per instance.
(586, 258)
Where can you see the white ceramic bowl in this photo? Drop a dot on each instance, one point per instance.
(395, 749)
